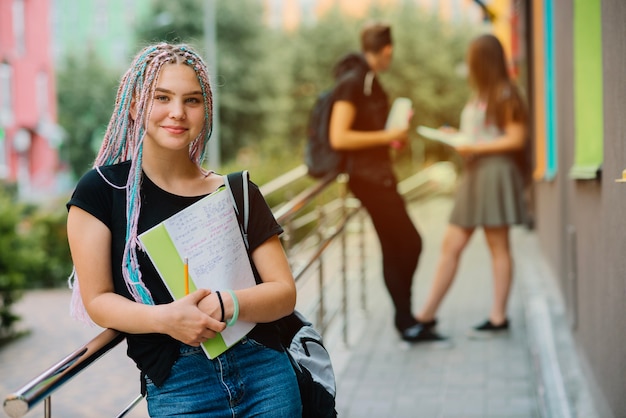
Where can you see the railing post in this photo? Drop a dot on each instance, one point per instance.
(287, 237)
(362, 259)
(342, 179)
(320, 271)
(47, 407)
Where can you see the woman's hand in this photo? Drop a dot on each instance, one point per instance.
(398, 138)
(448, 129)
(186, 322)
(467, 151)
(211, 306)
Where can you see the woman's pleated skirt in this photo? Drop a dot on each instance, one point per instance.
(490, 193)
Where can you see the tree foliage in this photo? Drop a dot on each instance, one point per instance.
(86, 90)
(50, 262)
(249, 67)
(33, 253)
(173, 22)
(12, 259)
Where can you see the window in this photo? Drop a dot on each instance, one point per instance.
(6, 115)
(6, 95)
(41, 87)
(4, 169)
(588, 110)
(19, 26)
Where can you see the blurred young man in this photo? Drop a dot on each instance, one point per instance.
(357, 127)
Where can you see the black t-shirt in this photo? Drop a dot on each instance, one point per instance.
(372, 107)
(154, 354)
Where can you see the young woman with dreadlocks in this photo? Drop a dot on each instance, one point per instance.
(149, 168)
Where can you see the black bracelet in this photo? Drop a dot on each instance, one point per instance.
(221, 304)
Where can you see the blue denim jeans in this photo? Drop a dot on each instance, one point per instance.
(248, 380)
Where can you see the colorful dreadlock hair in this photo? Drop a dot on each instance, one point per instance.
(124, 136)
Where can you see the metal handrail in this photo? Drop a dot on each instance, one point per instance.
(43, 386)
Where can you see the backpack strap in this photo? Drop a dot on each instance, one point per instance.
(237, 185)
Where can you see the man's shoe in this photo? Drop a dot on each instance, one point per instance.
(421, 333)
(487, 329)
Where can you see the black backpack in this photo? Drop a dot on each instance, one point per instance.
(303, 344)
(320, 158)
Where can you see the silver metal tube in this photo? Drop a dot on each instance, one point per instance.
(130, 406)
(19, 403)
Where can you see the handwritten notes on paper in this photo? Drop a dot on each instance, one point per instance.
(208, 234)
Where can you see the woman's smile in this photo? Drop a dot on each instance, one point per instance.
(175, 130)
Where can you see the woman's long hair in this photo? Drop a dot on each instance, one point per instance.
(124, 137)
(489, 76)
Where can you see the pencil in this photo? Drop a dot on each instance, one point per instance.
(186, 276)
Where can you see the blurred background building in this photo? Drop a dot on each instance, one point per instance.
(29, 135)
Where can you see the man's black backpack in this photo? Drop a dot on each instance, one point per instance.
(304, 346)
(320, 158)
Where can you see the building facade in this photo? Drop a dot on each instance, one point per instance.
(29, 135)
(578, 96)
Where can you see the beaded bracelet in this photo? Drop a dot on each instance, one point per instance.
(232, 320)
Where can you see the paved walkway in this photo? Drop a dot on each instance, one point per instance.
(518, 375)
(514, 375)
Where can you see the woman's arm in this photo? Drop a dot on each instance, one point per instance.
(90, 246)
(513, 139)
(342, 137)
(265, 302)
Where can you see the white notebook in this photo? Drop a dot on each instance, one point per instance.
(399, 114)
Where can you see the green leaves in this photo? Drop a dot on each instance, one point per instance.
(86, 90)
(33, 252)
(13, 252)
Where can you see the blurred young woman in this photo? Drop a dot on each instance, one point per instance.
(491, 192)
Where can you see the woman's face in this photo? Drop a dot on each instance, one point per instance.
(177, 114)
